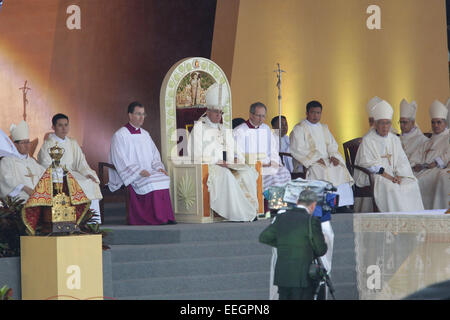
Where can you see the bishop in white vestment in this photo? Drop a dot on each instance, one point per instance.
(412, 137)
(18, 171)
(74, 160)
(313, 146)
(232, 187)
(395, 187)
(431, 164)
(254, 137)
(139, 167)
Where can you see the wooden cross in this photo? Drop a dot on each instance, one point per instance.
(25, 89)
(387, 156)
(30, 175)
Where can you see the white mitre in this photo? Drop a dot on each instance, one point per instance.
(372, 102)
(382, 110)
(217, 97)
(408, 110)
(438, 110)
(20, 131)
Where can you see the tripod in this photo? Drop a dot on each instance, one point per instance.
(325, 278)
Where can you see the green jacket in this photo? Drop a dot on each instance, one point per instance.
(289, 233)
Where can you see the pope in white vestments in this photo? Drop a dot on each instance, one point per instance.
(254, 137)
(139, 167)
(232, 187)
(431, 163)
(395, 187)
(7, 147)
(314, 147)
(412, 137)
(74, 160)
(18, 171)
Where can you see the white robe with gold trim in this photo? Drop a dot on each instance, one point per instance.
(412, 142)
(17, 172)
(376, 151)
(233, 192)
(312, 142)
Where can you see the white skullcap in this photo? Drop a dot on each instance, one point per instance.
(382, 110)
(408, 110)
(20, 131)
(438, 110)
(216, 97)
(372, 102)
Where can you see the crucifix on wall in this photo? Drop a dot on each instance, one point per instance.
(25, 90)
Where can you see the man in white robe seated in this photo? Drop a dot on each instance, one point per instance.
(432, 162)
(313, 146)
(285, 143)
(18, 171)
(232, 187)
(254, 137)
(412, 137)
(139, 167)
(395, 187)
(74, 160)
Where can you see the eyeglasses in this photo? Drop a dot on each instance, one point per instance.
(404, 121)
(262, 116)
(23, 142)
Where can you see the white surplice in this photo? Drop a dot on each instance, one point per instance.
(17, 172)
(233, 192)
(435, 183)
(75, 162)
(261, 141)
(312, 142)
(132, 153)
(375, 152)
(412, 142)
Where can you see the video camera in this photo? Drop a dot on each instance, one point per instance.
(286, 197)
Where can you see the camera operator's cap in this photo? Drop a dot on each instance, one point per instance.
(372, 102)
(382, 110)
(20, 131)
(408, 110)
(307, 196)
(438, 110)
(216, 97)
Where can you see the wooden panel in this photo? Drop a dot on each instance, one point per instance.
(259, 187)
(206, 204)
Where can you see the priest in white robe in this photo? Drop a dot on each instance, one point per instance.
(412, 137)
(432, 164)
(18, 171)
(285, 143)
(254, 137)
(139, 167)
(232, 187)
(74, 160)
(313, 146)
(395, 187)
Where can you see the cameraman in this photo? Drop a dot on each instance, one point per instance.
(289, 233)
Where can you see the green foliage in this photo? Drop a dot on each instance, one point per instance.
(6, 293)
(89, 226)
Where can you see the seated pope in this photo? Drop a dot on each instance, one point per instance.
(139, 168)
(395, 187)
(19, 172)
(232, 187)
(74, 160)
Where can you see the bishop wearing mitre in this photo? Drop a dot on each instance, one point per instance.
(19, 172)
(412, 137)
(232, 187)
(431, 164)
(395, 187)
